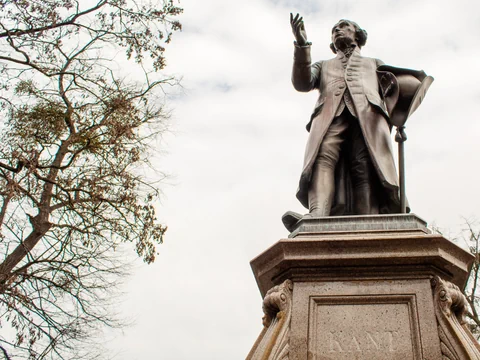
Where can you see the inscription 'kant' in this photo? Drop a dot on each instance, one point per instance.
(358, 330)
(368, 341)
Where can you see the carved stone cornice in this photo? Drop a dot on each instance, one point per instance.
(386, 253)
(456, 340)
(273, 341)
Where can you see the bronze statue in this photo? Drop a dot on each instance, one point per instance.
(348, 166)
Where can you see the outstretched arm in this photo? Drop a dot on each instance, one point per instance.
(304, 75)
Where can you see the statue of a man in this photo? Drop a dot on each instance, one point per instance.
(348, 165)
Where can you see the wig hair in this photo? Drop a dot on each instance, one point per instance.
(360, 34)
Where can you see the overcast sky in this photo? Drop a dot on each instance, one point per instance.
(236, 152)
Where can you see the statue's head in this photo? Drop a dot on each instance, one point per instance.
(345, 33)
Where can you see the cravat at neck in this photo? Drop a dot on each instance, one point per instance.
(349, 51)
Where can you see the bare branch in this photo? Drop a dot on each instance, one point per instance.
(70, 21)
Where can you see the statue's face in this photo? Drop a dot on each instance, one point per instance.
(343, 34)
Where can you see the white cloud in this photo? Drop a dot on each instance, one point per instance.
(238, 153)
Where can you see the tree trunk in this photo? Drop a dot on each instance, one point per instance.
(40, 228)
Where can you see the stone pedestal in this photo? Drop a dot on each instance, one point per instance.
(363, 287)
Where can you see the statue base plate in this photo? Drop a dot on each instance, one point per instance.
(396, 223)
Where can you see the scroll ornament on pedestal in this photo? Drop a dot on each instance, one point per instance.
(273, 341)
(456, 340)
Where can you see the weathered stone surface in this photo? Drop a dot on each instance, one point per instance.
(378, 330)
(367, 255)
(364, 319)
(365, 292)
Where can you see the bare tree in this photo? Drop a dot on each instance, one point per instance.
(76, 136)
(472, 291)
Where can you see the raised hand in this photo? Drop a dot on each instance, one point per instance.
(298, 28)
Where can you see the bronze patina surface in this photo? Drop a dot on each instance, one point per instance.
(349, 166)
